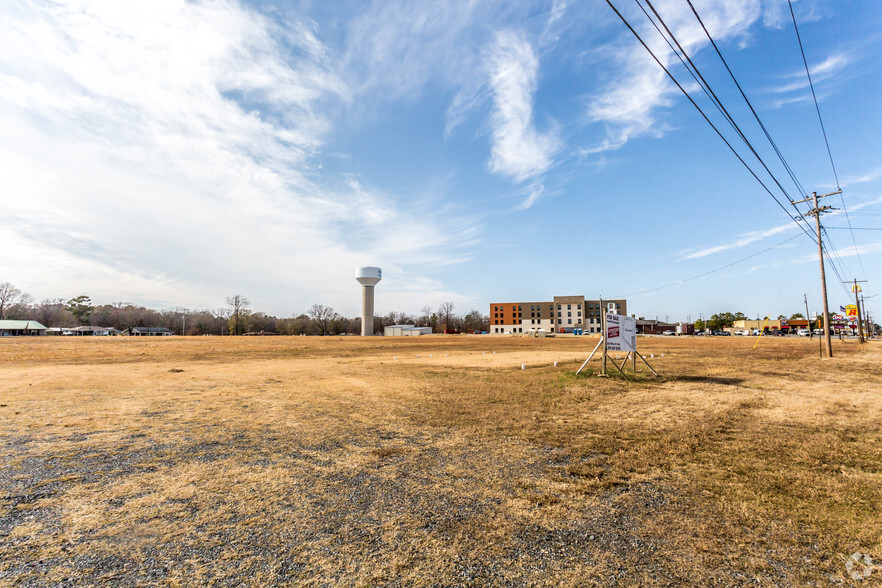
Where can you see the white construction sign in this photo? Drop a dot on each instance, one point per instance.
(621, 333)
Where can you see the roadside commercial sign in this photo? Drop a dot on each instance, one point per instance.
(851, 311)
(621, 333)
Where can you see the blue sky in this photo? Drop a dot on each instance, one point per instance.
(173, 153)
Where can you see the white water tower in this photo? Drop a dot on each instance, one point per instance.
(368, 277)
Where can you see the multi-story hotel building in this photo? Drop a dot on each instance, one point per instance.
(562, 315)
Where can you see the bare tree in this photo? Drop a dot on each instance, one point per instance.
(322, 316)
(238, 306)
(425, 315)
(51, 313)
(445, 312)
(12, 300)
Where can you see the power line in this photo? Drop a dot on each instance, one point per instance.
(683, 281)
(856, 228)
(834, 252)
(752, 110)
(709, 92)
(814, 96)
(816, 211)
(697, 107)
(824, 131)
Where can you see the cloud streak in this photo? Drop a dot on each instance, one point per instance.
(745, 239)
(170, 151)
(629, 106)
(518, 149)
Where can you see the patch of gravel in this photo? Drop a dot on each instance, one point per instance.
(424, 509)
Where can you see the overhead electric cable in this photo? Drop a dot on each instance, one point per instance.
(856, 228)
(708, 90)
(697, 107)
(749, 105)
(831, 253)
(824, 131)
(834, 252)
(678, 282)
(812, 86)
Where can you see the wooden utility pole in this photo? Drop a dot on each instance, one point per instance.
(816, 212)
(857, 289)
(808, 318)
(603, 329)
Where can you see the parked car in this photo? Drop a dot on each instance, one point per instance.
(803, 332)
(739, 332)
(668, 333)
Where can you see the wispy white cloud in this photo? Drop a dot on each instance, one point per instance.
(629, 105)
(393, 49)
(531, 194)
(744, 239)
(864, 249)
(869, 176)
(170, 151)
(518, 149)
(825, 70)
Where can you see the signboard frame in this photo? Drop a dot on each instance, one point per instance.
(621, 335)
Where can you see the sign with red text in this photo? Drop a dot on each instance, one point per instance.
(621, 333)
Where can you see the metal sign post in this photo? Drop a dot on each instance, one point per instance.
(618, 333)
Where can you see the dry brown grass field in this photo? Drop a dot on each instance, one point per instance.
(437, 461)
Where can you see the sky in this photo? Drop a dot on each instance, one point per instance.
(173, 153)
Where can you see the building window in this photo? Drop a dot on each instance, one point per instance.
(569, 321)
(569, 314)
(558, 314)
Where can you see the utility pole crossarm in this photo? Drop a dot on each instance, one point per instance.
(814, 196)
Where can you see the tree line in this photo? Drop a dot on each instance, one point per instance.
(721, 320)
(235, 317)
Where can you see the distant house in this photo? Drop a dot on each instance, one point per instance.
(151, 332)
(654, 327)
(9, 328)
(260, 334)
(92, 331)
(406, 330)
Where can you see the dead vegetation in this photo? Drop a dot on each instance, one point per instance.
(436, 461)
